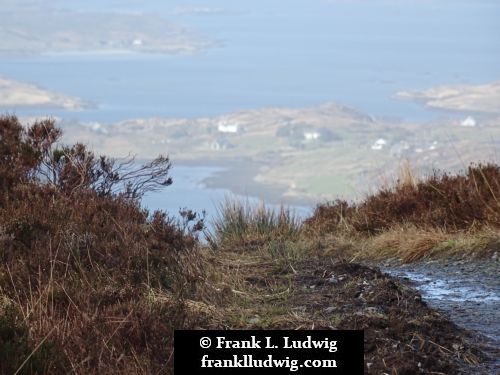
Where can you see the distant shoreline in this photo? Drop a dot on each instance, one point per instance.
(15, 94)
(238, 176)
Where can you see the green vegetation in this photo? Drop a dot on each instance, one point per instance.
(322, 185)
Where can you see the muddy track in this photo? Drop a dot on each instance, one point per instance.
(403, 335)
(466, 291)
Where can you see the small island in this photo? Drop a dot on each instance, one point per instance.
(20, 94)
(471, 98)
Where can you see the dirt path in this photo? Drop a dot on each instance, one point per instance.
(402, 334)
(468, 292)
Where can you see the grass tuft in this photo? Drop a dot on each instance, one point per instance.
(242, 223)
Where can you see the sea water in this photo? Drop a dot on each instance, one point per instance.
(274, 53)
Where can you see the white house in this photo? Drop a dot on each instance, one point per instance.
(311, 135)
(469, 121)
(224, 127)
(379, 144)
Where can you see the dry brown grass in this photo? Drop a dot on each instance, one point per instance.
(408, 243)
(440, 216)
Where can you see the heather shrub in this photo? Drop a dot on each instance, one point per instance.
(452, 202)
(80, 259)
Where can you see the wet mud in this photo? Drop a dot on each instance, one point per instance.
(468, 292)
(403, 334)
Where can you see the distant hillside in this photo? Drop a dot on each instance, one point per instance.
(315, 152)
(24, 31)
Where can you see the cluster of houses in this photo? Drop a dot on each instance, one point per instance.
(403, 147)
(297, 133)
(306, 134)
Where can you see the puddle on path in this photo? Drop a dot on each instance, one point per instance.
(469, 292)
